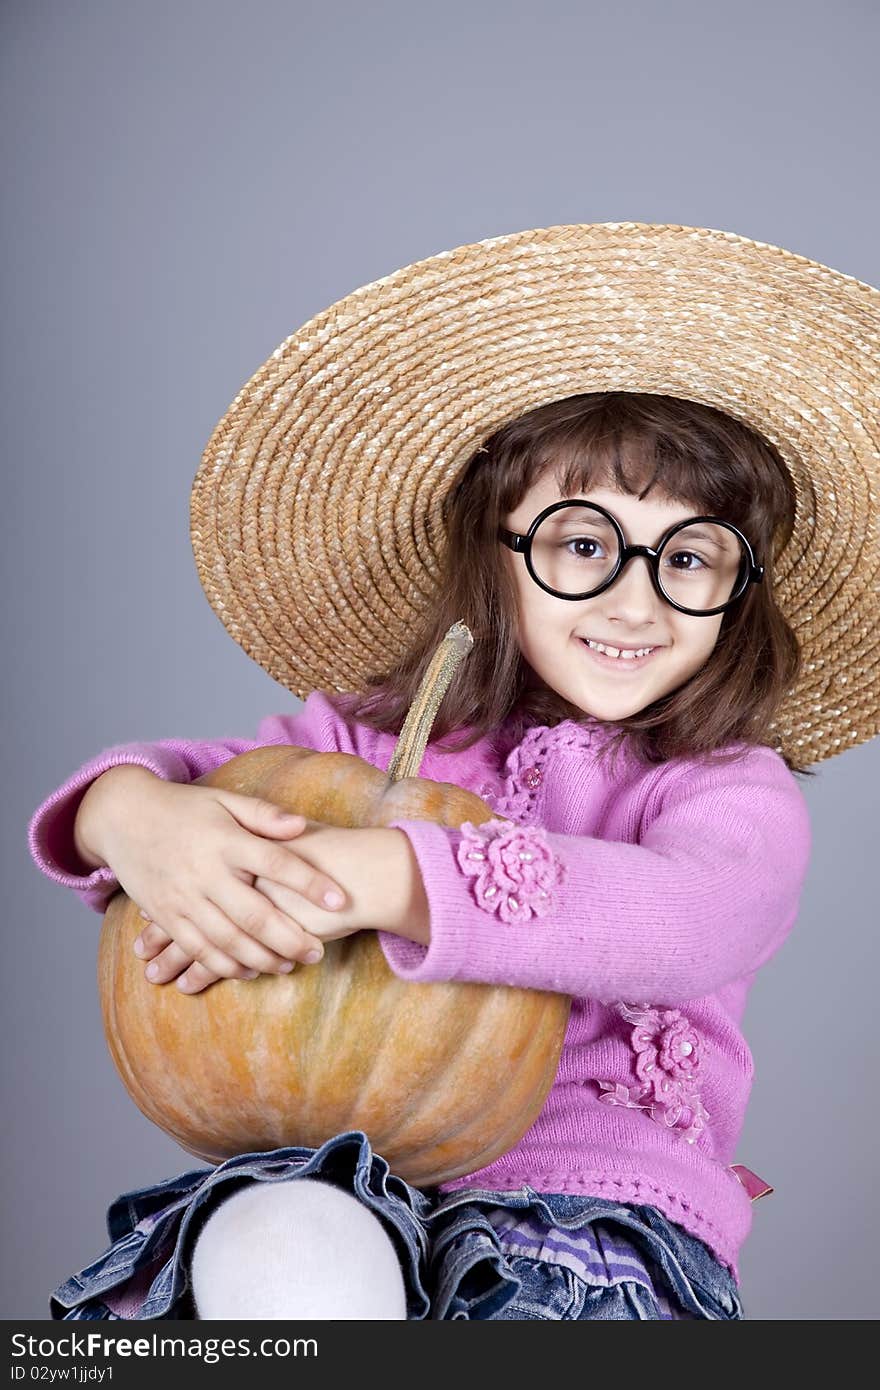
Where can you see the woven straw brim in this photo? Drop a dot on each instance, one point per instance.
(315, 514)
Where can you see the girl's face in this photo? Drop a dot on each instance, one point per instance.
(629, 614)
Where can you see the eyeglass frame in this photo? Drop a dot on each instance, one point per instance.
(522, 545)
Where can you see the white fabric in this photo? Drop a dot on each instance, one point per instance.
(296, 1249)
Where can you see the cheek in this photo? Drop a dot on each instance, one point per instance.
(542, 619)
(533, 606)
(699, 643)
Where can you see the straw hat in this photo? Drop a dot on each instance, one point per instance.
(315, 510)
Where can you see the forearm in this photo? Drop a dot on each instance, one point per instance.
(379, 870)
(98, 807)
(409, 912)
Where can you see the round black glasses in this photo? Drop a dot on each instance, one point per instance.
(576, 550)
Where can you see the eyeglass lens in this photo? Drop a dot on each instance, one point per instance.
(575, 549)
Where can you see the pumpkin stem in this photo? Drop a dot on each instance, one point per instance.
(410, 748)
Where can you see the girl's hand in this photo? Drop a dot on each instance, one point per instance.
(383, 890)
(189, 856)
(168, 961)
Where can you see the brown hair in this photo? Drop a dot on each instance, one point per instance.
(693, 453)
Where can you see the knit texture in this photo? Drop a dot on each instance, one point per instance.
(668, 888)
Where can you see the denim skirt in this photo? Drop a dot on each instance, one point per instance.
(474, 1254)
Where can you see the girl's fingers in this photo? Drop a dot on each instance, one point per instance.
(261, 922)
(195, 945)
(288, 902)
(222, 941)
(173, 960)
(197, 977)
(220, 947)
(151, 940)
(173, 963)
(170, 962)
(284, 866)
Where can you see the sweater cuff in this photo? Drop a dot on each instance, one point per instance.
(491, 892)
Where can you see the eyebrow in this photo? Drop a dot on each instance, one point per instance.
(699, 535)
(563, 518)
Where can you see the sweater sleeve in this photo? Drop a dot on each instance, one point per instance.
(50, 832)
(707, 895)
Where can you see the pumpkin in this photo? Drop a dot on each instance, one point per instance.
(443, 1077)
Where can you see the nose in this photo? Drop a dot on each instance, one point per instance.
(632, 599)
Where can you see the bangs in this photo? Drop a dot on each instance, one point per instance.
(637, 453)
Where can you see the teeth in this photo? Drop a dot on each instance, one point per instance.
(615, 651)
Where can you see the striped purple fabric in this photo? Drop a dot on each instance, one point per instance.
(597, 1253)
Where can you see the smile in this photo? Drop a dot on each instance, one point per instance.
(624, 662)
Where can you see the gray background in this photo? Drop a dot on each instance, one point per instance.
(185, 185)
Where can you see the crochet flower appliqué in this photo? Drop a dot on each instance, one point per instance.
(668, 1062)
(513, 868)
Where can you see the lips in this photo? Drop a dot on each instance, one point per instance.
(619, 646)
(625, 663)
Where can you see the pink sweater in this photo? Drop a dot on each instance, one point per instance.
(651, 896)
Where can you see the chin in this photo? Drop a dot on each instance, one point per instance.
(613, 716)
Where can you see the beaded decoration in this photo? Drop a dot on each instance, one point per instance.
(668, 1063)
(524, 767)
(513, 868)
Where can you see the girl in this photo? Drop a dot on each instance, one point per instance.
(633, 710)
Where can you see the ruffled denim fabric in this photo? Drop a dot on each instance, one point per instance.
(456, 1263)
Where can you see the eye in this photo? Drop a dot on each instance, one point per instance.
(688, 555)
(582, 541)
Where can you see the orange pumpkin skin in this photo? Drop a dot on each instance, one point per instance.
(442, 1077)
